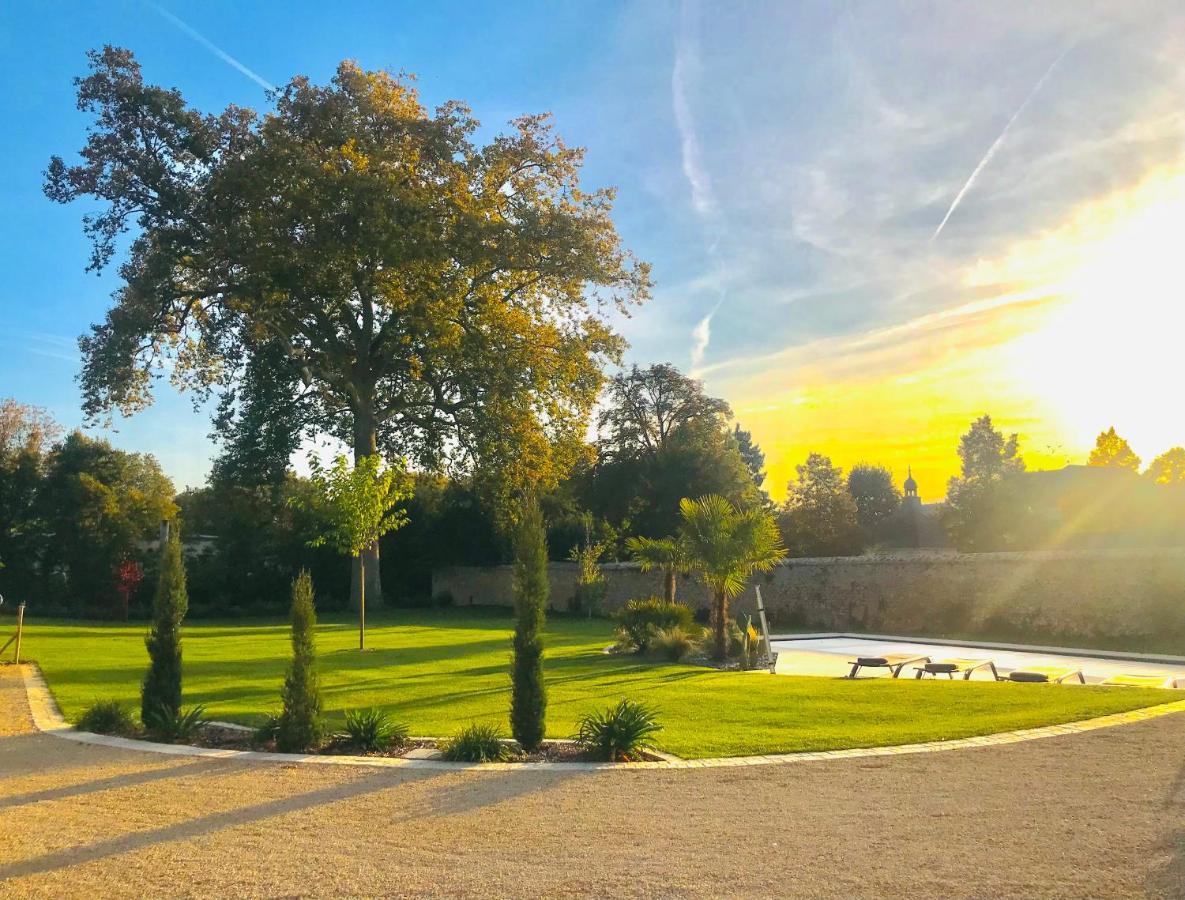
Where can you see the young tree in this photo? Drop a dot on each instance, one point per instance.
(358, 505)
(877, 499)
(528, 705)
(660, 553)
(1168, 468)
(300, 722)
(984, 509)
(820, 516)
(350, 264)
(161, 689)
(725, 546)
(1113, 452)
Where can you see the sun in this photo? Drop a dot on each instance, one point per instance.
(1111, 347)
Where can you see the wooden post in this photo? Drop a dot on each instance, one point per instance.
(769, 653)
(20, 622)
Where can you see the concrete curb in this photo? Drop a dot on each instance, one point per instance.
(48, 719)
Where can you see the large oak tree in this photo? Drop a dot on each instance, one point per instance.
(349, 264)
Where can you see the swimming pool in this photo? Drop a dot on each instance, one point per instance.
(830, 655)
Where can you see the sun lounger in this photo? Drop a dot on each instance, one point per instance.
(1157, 681)
(1047, 674)
(894, 662)
(949, 667)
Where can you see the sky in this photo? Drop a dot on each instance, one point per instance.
(869, 223)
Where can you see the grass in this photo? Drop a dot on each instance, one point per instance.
(439, 670)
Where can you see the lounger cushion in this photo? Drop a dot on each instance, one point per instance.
(1027, 676)
(941, 667)
(871, 661)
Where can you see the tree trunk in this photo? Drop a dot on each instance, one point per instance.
(720, 626)
(669, 585)
(365, 444)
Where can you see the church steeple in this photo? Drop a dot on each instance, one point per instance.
(911, 486)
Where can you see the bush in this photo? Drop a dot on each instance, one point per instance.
(268, 731)
(673, 644)
(107, 717)
(176, 727)
(479, 742)
(619, 733)
(640, 619)
(300, 725)
(528, 701)
(373, 730)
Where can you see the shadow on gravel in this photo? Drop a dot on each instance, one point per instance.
(204, 825)
(1169, 879)
(115, 782)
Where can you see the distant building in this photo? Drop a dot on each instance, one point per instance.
(917, 525)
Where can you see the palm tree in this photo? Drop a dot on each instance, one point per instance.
(725, 546)
(659, 553)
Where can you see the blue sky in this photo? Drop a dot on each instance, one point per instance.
(784, 167)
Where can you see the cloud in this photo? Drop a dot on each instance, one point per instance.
(686, 63)
(997, 143)
(214, 48)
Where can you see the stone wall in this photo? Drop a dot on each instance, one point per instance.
(1134, 598)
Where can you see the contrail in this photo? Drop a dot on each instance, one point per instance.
(987, 157)
(214, 48)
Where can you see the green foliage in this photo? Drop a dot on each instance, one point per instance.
(726, 546)
(107, 717)
(748, 643)
(300, 726)
(358, 502)
(466, 302)
(620, 733)
(640, 619)
(373, 730)
(752, 455)
(674, 644)
(820, 516)
(985, 504)
(1113, 452)
(877, 500)
(268, 731)
(528, 704)
(659, 553)
(161, 688)
(590, 582)
(659, 433)
(477, 743)
(177, 726)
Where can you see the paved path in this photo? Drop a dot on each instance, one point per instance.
(1091, 815)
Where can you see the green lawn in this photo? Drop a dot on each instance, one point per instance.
(439, 670)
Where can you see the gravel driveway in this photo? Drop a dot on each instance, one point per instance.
(1090, 815)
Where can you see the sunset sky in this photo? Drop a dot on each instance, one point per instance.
(869, 223)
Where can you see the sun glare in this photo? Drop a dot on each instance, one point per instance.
(1110, 349)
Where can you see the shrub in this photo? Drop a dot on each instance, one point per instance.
(673, 644)
(300, 725)
(162, 681)
(175, 726)
(107, 717)
(268, 731)
(373, 730)
(479, 742)
(619, 733)
(528, 703)
(750, 644)
(640, 619)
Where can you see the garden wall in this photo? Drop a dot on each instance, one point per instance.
(1133, 599)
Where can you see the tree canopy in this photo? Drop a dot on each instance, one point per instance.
(1113, 452)
(350, 264)
(984, 509)
(877, 499)
(1168, 468)
(820, 516)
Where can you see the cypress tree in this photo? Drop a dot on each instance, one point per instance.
(162, 682)
(529, 697)
(300, 722)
